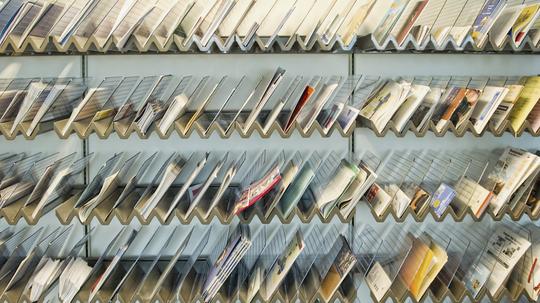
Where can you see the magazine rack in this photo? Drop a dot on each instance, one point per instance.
(150, 143)
(140, 266)
(31, 124)
(117, 104)
(293, 28)
(388, 253)
(219, 184)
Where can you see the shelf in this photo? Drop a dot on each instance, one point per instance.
(178, 274)
(269, 185)
(204, 27)
(307, 188)
(361, 45)
(192, 106)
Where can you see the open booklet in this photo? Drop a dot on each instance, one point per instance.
(504, 249)
(380, 108)
(512, 169)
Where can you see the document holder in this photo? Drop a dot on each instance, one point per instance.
(184, 282)
(394, 177)
(202, 195)
(99, 189)
(85, 114)
(381, 257)
(110, 194)
(144, 207)
(130, 268)
(58, 249)
(133, 107)
(334, 271)
(472, 184)
(206, 92)
(9, 114)
(212, 119)
(472, 260)
(114, 27)
(24, 270)
(16, 267)
(64, 194)
(155, 284)
(255, 268)
(38, 175)
(25, 176)
(294, 285)
(225, 195)
(233, 288)
(172, 108)
(100, 265)
(154, 103)
(166, 103)
(131, 193)
(452, 174)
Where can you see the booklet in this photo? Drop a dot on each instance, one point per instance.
(400, 200)
(487, 104)
(470, 194)
(223, 266)
(511, 170)
(282, 265)
(505, 107)
(343, 264)
(420, 201)
(528, 98)
(296, 190)
(257, 190)
(379, 109)
(504, 249)
(378, 281)
(442, 197)
(378, 199)
(327, 196)
(356, 190)
(410, 106)
(422, 264)
(424, 111)
(445, 110)
(485, 20)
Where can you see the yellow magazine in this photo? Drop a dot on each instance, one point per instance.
(523, 22)
(439, 260)
(425, 267)
(527, 100)
(414, 261)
